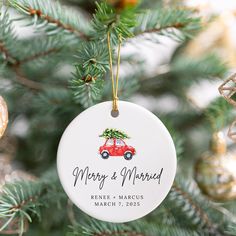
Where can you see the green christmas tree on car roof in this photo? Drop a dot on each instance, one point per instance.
(114, 133)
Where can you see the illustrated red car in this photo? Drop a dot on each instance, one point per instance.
(116, 147)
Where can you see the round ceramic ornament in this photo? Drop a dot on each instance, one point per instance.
(116, 169)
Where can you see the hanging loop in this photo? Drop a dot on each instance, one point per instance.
(115, 104)
(114, 81)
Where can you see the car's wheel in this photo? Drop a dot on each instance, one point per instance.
(105, 154)
(128, 155)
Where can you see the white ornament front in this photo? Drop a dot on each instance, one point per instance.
(116, 169)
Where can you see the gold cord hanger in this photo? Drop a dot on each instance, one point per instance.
(114, 81)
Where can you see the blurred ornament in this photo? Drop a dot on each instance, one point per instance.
(215, 171)
(228, 89)
(9, 174)
(121, 4)
(3, 116)
(217, 38)
(232, 131)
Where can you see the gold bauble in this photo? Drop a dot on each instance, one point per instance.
(215, 171)
(3, 116)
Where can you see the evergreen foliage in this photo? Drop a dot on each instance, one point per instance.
(167, 22)
(52, 75)
(18, 200)
(107, 20)
(219, 108)
(51, 17)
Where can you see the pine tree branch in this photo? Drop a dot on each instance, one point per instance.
(186, 201)
(17, 200)
(97, 228)
(119, 233)
(184, 71)
(138, 228)
(166, 27)
(17, 62)
(219, 114)
(51, 16)
(106, 19)
(91, 66)
(23, 200)
(38, 55)
(7, 36)
(39, 13)
(24, 81)
(6, 53)
(167, 21)
(86, 92)
(15, 65)
(9, 44)
(204, 217)
(7, 39)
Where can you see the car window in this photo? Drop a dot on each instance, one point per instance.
(109, 142)
(119, 142)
